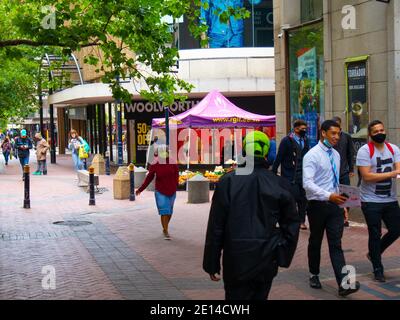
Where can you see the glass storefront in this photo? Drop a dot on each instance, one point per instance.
(306, 77)
(256, 31)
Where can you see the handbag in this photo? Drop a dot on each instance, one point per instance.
(82, 152)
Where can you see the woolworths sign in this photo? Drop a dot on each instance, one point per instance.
(149, 110)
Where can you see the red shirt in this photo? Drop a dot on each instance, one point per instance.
(167, 178)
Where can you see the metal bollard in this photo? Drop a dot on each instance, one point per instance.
(27, 200)
(92, 200)
(132, 182)
(108, 170)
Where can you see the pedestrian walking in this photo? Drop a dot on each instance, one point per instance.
(41, 153)
(379, 165)
(23, 144)
(291, 152)
(245, 213)
(6, 148)
(345, 147)
(74, 143)
(321, 168)
(167, 179)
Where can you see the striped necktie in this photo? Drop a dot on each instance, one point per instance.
(334, 169)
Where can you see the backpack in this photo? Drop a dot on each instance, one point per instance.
(371, 154)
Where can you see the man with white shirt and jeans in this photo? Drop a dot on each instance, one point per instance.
(321, 167)
(379, 164)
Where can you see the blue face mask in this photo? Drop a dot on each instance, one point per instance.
(327, 144)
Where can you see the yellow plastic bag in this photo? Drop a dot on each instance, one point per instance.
(82, 153)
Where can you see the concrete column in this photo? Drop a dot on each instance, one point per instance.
(393, 28)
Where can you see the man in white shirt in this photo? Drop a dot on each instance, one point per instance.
(321, 168)
(379, 163)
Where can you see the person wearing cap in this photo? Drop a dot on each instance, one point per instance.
(167, 179)
(41, 152)
(23, 144)
(254, 221)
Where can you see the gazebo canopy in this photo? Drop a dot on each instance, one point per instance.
(216, 111)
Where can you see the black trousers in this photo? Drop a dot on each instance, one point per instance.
(324, 215)
(257, 288)
(374, 214)
(300, 196)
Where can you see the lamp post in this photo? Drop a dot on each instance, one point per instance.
(119, 127)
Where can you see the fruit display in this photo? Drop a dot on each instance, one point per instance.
(186, 175)
(214, 176)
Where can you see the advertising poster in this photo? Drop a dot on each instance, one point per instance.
(308, 93)
(357, 101)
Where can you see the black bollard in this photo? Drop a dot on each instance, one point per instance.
(27, 200)
(132, 182)
(92, 200)
(108, 171)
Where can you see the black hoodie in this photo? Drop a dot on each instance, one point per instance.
(254, 221)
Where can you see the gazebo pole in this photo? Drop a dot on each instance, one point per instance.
(213, 142)
(235, 143)
(188, 155)
(148, 149)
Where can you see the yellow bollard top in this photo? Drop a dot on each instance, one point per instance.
(26, 168)
(131, 167)
(91, 170)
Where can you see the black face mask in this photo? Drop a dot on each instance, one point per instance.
(302, 133)
(379, 138)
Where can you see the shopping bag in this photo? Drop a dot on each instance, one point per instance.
(82, 153)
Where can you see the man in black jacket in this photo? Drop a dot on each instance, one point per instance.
(253, 220)
(292, 150)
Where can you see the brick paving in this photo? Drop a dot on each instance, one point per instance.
(122, 254)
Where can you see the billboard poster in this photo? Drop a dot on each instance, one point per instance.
(357, 101)
(308, 97)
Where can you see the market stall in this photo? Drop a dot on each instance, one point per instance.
(216, 114)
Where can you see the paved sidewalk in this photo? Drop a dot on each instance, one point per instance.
(122, 254)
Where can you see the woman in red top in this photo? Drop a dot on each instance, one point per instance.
(167, 178)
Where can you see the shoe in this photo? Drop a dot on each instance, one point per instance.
(379, 276)
(345, 292)
(37, 173)
(346, 224)
(166, 236)
(315, 283)
(303, 227)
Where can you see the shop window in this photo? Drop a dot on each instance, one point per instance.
(311, 10)
(256, 31)
(306, 77)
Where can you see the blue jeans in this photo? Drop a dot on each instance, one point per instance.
(374, 214)
(229, 40)
(23, 161)
(6, 156)
(77, 161)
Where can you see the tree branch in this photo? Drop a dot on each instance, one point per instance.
(19, 42)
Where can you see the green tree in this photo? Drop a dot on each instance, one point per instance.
(116, 27)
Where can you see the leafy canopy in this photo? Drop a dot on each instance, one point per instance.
(118, 28)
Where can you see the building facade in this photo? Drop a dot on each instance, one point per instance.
(338, 58)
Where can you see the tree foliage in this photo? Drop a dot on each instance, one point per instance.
(117, 28)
